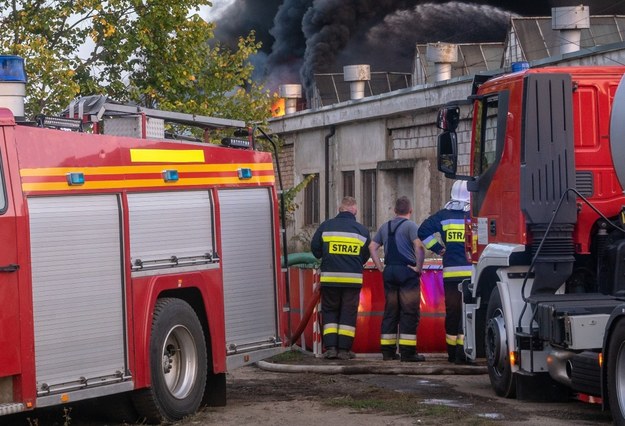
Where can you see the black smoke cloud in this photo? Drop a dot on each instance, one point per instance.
(303, 37)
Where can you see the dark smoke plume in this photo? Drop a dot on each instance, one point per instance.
(244, 16)
(310, 36)
(288, 49)
(422, 24)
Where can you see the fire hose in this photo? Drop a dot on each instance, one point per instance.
(309, 260)
(306, 314)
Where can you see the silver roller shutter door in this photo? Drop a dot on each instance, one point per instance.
(166, 224)
(78, 298)
(248, 267)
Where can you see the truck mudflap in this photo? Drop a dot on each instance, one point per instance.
(540, 387)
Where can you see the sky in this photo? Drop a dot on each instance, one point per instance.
(218, 8)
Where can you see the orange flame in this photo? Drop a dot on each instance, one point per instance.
(278, 108)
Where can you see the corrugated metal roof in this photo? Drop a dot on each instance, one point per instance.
(473, 58)
(331, 88)
(531, 39)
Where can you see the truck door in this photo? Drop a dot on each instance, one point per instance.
(9, 314)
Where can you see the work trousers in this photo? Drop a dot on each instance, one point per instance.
(454, 335)
(401, 311)
(339, 310)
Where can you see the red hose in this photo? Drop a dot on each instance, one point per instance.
(306, 315)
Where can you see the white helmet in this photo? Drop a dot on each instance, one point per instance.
(459, 196)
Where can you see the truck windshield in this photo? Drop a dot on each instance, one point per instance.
(485, 143)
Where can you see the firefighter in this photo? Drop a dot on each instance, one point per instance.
(443, 233)
(403, 260)
(342, 244)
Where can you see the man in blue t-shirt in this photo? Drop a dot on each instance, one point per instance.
(403, 260)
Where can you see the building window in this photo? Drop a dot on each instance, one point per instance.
(368, 198)
(311, 201)
(349, 189)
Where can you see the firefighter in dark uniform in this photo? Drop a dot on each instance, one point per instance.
(342, 244)
(449, 224)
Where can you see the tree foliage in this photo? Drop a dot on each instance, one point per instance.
(157, 53)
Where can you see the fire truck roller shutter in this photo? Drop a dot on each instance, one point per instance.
(172, 224)
(248, 259)
(77, 291)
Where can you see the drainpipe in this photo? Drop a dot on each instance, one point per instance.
(327, 166)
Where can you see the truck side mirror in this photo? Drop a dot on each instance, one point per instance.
(447, 152)
(448, 118)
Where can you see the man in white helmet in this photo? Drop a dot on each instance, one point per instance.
(443, 233)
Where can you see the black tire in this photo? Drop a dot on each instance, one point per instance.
(616, 373)
(497, 356)
(178, 363)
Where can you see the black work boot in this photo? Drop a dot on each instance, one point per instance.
(331, 353)
(411, 356)
(461, 357)
(451, 353)
(345, 354)
(389, 352)
(389, 356)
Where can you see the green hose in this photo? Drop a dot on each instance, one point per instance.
(303, 260)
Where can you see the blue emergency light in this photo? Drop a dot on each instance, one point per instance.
(245, 173)
(12, 69)
(75, 178)
(520, 66)
(170, 175)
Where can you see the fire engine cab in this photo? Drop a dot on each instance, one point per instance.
(131, 263)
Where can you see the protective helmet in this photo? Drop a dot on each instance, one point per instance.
(459, 197)
(459, 191)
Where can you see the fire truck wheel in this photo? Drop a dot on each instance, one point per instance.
(501, 378)
(178, 363)
(616, 373)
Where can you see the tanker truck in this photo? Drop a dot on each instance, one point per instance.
(545, 305)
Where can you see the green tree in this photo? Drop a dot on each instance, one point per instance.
(157, 53)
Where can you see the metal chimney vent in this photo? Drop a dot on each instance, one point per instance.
(570, 21)
(291, 93)
(443, 55)
(357, 75)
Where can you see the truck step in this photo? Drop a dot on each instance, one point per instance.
(11, 408)
(586, 373)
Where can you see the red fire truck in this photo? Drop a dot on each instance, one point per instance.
(546, 302)
(140, 266)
